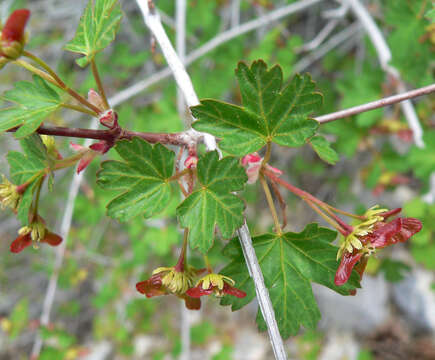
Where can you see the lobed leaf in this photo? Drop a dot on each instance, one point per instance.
(213, 204)
(142, 177)
(289, 263)
(269, 112)
(34, 101)
(31, 163)
(323, 148)
(96, 30)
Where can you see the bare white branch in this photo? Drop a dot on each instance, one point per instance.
(332, 43)
(376, 104)
(384, 55)
(320, 37)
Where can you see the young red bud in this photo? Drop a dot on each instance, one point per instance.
(14, 27)
(109, 119)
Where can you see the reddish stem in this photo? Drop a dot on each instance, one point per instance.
(305, 195)
(110, 135)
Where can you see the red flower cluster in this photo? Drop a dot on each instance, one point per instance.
(165, 281)
(382, 235)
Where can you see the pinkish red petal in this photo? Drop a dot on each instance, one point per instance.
(76, 147)
(109, 119)
(13, 30)
(389, 213)
(101, 147)
(191, 303)
(382, 235)
(85, 161)
(251, 158)
(276, 171)
(410, 227)
(151, 287)
(52, 239)
(347, 263)
(20, 243)
(198, 291)
(231, 290)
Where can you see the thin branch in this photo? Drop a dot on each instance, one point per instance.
(320, 37)
(384, 55)
(332, 43)
(180, 138)
(376, 104)
(184, 83)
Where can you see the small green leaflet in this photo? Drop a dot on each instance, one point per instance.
(34, 101)
(213, 204)
(25, 166)
(142, 177)
(289, 263)
(269, 113)
(323, 148)
(97, 29)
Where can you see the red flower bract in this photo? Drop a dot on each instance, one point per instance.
(25, 240)
(383, 235)
(15, 24)
(198, 291)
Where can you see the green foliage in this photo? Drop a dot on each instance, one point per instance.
(269, 113)
(323, 148)
(213, 204)
(142, 177)
(34, 101)
(289, 262)
(97, 29)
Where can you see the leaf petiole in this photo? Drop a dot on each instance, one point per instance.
(271, 204)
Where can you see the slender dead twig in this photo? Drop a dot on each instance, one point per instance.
(376, 104)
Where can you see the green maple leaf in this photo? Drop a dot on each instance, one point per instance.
(97, 29)
(142, 177)
(27, 166)
(270, 113)
(213, 204)
(289, 263)
(34, 101)
(323, 148)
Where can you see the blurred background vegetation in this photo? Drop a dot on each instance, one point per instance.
(97, 313)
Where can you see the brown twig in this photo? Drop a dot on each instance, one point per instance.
(181, 138)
